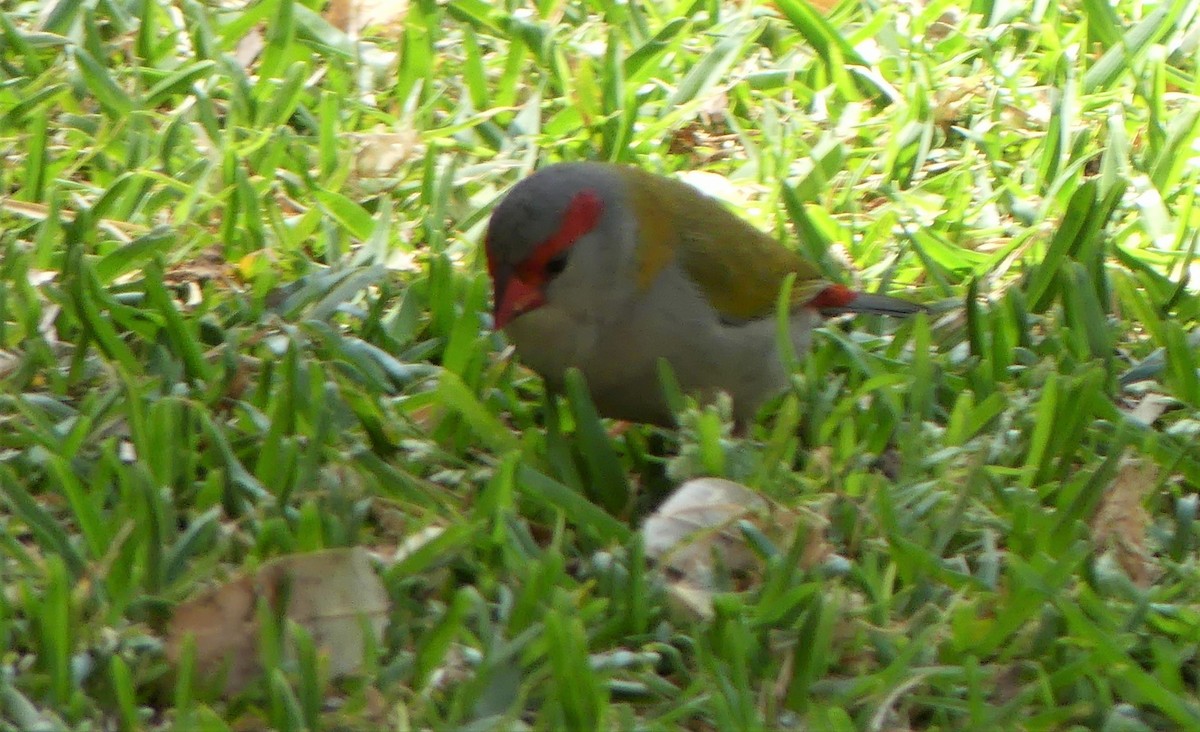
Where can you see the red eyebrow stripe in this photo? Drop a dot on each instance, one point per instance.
(581, 216)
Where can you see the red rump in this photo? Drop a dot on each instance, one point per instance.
(834, 296)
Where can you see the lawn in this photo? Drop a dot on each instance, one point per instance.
(245, 317)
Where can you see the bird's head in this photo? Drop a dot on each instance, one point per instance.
(558, 237)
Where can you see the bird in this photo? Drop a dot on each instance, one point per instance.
(609, 268)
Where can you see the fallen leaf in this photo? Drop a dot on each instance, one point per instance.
(327, 593)
(1149, 408)
(1121, 520)
(209, 265)
(698, 518)
(354, 16)
(688, 601)
(698, 525)
(380, 153)
(249, 47)
(951, 101)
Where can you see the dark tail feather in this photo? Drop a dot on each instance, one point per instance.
(878, 304)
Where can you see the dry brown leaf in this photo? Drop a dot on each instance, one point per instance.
(209, 265)
(1121, 520)
(951, 101)
(688, 601)
(699, 518)
(249, 47)
(354, 16)
(699, 523)
(327, 593)
(224, 626)
(380, 153)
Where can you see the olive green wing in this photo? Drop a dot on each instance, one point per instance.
(739, 268)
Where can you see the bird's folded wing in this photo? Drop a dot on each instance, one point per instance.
(739, 268)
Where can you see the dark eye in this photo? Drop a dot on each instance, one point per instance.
(555, 266)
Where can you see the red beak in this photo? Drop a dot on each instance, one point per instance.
(513, 297)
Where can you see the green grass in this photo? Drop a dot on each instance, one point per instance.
(228, 332)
